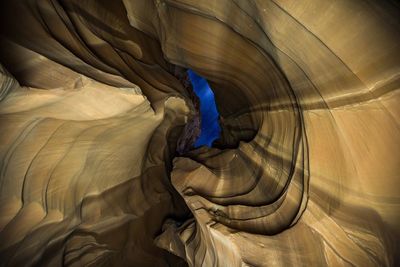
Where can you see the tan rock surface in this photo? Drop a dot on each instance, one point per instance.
(306, 172)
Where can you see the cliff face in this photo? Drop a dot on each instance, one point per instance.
(306, 172)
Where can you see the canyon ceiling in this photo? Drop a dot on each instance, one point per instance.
(97, 123)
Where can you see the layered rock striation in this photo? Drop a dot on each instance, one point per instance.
(96, 166)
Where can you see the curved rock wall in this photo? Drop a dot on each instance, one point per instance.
(306, 170)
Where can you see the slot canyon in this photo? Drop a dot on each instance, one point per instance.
(102, 161)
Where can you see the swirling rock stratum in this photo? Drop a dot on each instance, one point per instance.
(306, 172)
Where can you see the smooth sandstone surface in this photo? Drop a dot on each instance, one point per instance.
(306, 172)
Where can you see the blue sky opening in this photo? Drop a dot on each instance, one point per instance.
(210, 128)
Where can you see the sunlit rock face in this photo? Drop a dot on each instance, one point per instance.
(92, 113)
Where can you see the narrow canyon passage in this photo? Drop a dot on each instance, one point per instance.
(199, 133)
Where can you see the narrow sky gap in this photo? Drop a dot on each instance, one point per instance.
(210, 129)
